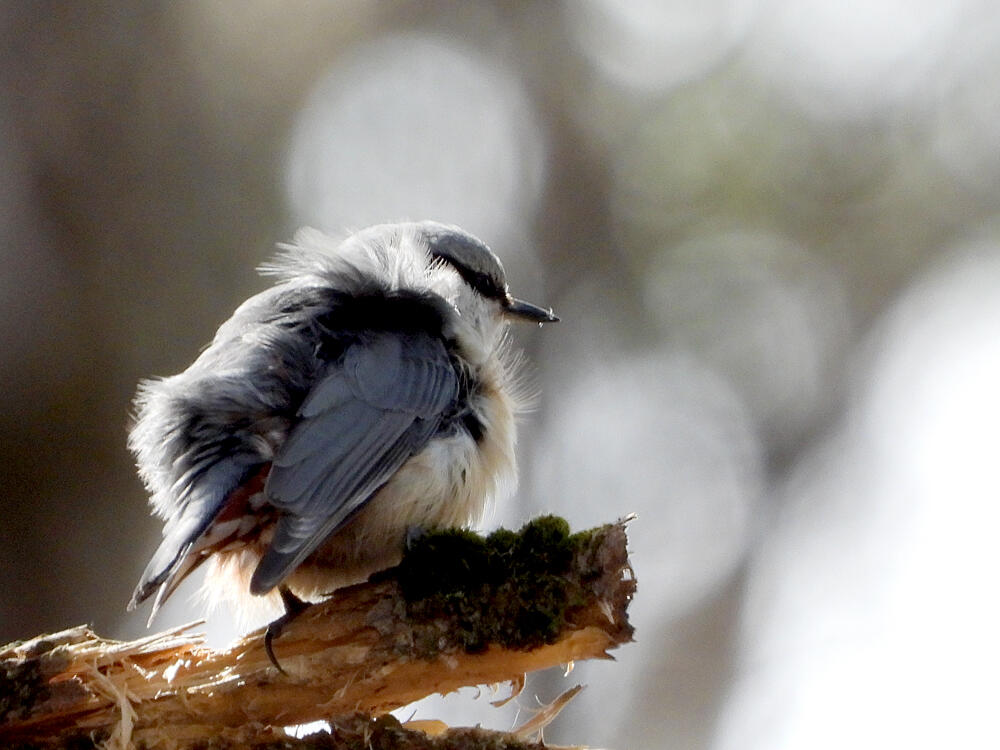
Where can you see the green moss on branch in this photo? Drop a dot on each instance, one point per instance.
(517, 590)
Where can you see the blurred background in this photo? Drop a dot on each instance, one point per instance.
(771, 228)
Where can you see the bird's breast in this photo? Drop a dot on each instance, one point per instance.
(450, 482)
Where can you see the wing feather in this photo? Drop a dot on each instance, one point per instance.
(201, 503)
(367, 415)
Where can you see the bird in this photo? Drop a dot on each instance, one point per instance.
(369, 394)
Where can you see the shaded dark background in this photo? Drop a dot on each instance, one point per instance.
(770, 228)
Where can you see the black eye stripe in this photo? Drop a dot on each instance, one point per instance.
(483, 283)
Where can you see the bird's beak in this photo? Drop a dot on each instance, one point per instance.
(517, 308)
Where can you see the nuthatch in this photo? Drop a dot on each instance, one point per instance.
(367, 394)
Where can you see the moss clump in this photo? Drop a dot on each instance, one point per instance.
(512, 589)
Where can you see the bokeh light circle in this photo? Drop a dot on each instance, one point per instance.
(653, 45)
(414, 127)
(663, 436)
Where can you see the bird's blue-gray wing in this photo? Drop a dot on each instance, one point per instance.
(379, 405)
(200, 500)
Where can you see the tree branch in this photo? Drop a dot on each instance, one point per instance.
(459, 611)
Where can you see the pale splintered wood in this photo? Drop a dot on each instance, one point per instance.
(353, 652)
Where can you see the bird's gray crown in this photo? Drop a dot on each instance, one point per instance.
(474, 261)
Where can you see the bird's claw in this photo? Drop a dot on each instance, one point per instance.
(293, 608)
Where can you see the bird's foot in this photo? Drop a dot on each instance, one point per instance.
(293, 608)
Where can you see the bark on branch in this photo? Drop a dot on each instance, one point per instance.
(459, 611)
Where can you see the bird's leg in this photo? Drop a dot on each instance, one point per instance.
(293, 608)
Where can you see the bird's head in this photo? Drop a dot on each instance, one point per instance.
(483, 302)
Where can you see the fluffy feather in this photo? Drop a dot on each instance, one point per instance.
(368, 392)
